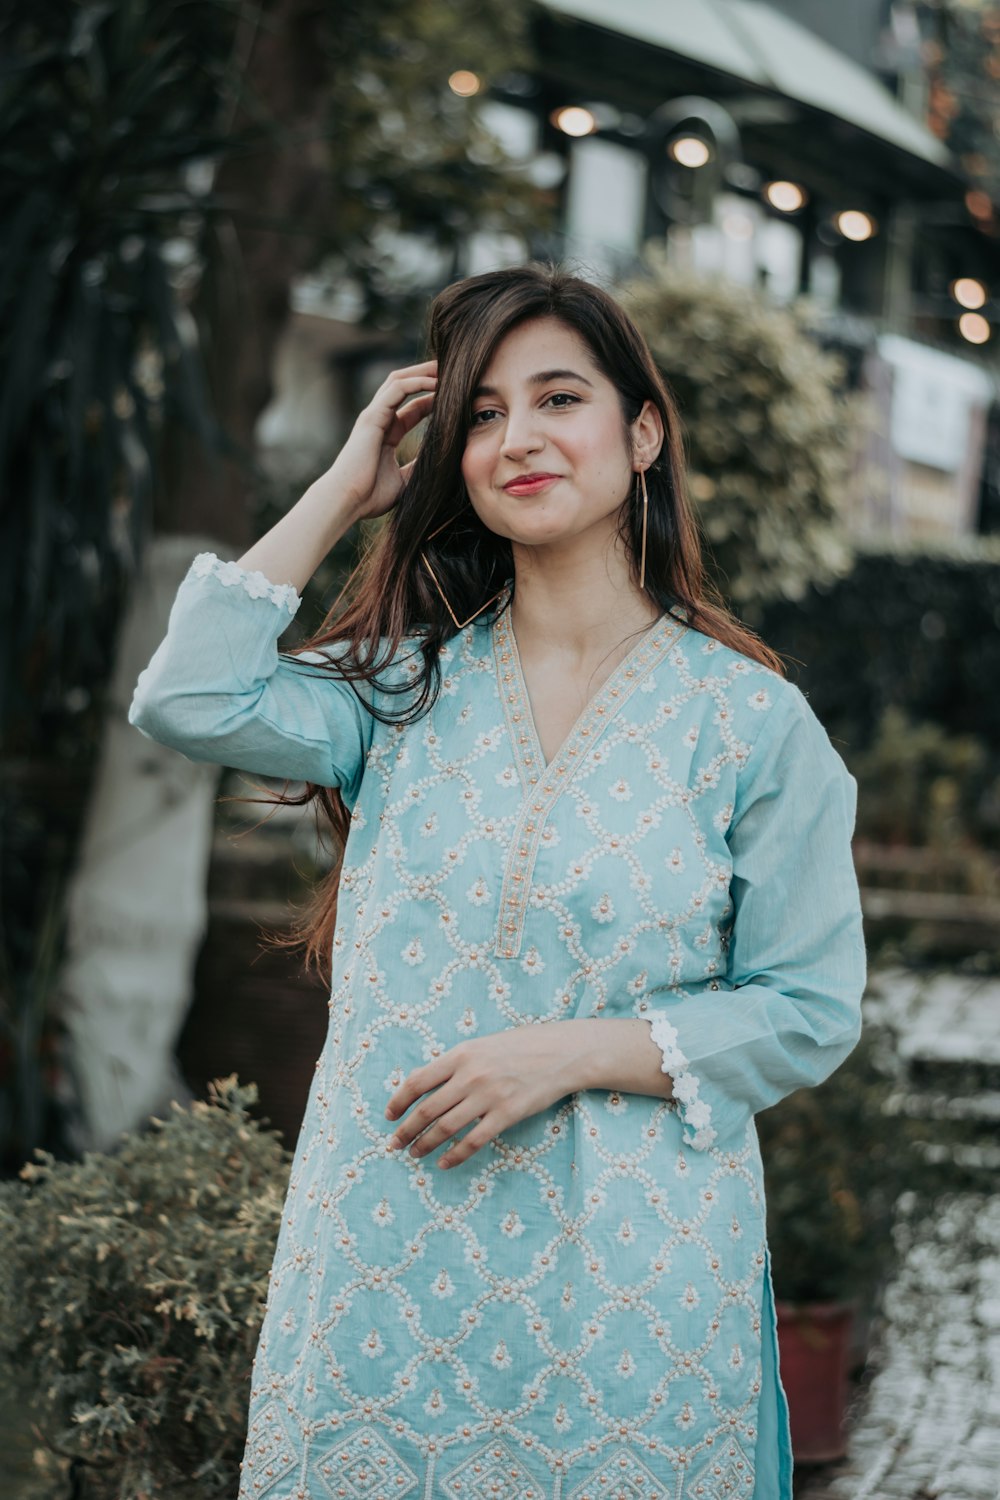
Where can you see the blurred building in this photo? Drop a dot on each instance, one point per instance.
(781, 145)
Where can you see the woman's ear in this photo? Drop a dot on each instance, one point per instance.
(648, 433)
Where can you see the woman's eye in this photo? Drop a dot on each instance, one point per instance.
(488, 411)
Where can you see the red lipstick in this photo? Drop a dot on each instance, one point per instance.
(527, 484)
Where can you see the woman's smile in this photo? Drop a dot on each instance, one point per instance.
(531, 486)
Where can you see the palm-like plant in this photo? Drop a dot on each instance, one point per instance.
(105, 111)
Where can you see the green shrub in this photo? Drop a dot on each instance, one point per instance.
(918, 784)
(771, 431)
(916, 627)
(132, 1289)
(833, 1173)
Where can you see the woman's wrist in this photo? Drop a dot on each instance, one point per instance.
(618, 1053)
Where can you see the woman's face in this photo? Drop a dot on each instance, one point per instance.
(544, 407)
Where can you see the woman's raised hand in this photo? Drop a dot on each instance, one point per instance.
(365, 476)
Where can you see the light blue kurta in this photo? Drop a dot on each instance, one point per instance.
(583, 1310)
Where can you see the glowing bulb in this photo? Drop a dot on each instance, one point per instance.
(979, 204)
(854, 225)
(974, 327)
(968, 292)
(787, 197)
(573, 119)
(464, 83)
(690, 151)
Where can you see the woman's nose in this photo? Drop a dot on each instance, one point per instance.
(520, 435)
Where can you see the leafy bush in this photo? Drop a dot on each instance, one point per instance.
(918, 628)
(836, 1160)
(132, 1289)
(770, 428)
(918, 784)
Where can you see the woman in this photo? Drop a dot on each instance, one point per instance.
(597, 908)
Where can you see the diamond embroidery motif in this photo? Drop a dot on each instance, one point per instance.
(727, 1474)
(270, 1455)
(364, 1467)
(621, 1477)
(493, 1473)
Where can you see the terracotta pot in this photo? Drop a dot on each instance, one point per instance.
(814, 1348)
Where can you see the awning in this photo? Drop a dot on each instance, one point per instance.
(749, 40)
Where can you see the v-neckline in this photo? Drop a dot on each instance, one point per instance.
(599, 710)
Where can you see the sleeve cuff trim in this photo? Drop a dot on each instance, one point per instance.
(696, 1115)
(256, 584)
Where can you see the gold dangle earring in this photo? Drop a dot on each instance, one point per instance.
(645, 511)
(459, 625)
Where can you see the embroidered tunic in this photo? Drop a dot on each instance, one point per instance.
(583, 1310)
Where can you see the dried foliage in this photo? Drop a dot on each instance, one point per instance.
(132, 1288)
(770, 429)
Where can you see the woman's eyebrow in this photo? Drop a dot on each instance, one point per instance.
(541, 378)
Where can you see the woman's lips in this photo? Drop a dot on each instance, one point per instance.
(529, 486)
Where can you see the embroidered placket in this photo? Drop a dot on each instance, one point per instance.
(543, 783)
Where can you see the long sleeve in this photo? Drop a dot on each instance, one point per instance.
(217, 690)
(789, 1010)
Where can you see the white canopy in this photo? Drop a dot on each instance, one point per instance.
(750, 40)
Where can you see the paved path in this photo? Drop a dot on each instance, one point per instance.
(926, 1424)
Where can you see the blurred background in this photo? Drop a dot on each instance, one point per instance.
(221, 225)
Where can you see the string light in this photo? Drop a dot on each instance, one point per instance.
(974, 328)
(573, 119)
(689, 150)
(464, 83)
(787, 197)
(968, 292)
(855, 225)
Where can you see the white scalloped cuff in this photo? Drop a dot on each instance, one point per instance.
(695, 1113)
(256, 584)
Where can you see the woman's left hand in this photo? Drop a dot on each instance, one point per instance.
(496, 1080)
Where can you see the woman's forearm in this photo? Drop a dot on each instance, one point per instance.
(615, 1054)
(295, 546)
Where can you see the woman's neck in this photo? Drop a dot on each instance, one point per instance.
(577, 614)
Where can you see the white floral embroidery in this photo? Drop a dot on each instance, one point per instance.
(562, 1421)
(442, 1285)
(760, 700)
(603, 910)
(435, 1405)
(413, 953)
(685, 1417)
(532, 962)
(675, 861)
(382, 1213)
(256, 584)
(620, 790)
(372, 1345)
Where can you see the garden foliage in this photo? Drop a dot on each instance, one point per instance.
(918, 628)
(132, 1288)
(771, 430)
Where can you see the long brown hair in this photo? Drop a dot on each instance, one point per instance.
(390, 593)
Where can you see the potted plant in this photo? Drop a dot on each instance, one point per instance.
(835, 1165)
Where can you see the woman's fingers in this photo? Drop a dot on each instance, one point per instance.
(444, 1128)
